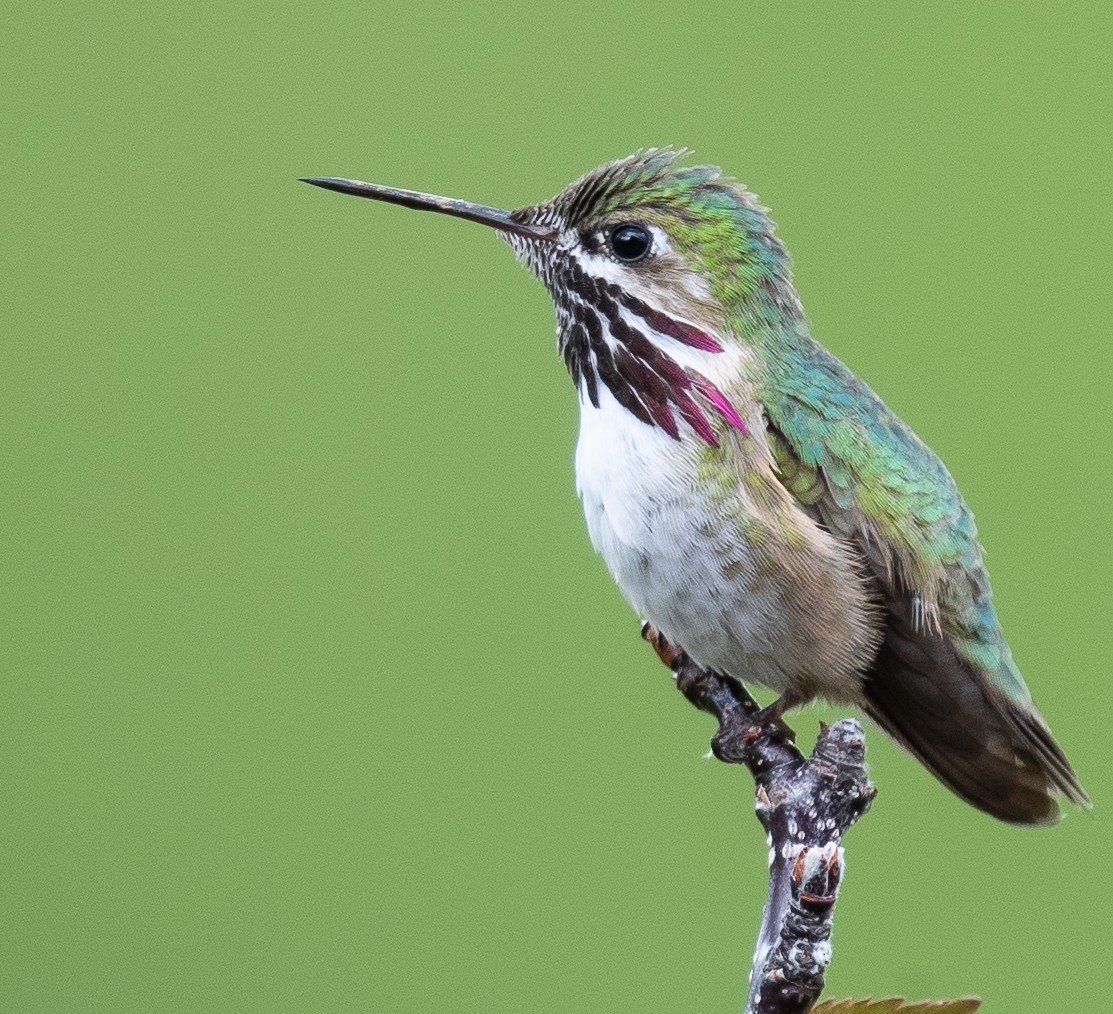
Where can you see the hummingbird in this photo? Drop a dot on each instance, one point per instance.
(755, 501)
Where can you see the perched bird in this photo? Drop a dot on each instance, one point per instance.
(754, 500)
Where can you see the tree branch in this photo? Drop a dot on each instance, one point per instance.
(805, 805)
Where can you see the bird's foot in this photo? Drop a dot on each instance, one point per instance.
(767, 721)
(770, 719)
(671, 654)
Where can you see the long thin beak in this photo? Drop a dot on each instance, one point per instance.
(494, 217)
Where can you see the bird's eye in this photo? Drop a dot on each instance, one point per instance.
(630, 243)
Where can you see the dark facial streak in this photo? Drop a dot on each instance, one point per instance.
(642, 378)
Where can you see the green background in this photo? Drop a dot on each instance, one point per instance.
(314, 696)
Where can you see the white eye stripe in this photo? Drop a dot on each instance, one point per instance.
(661, 244)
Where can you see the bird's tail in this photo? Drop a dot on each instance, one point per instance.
(997, 754)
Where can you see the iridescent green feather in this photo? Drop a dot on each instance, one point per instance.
(869, 478)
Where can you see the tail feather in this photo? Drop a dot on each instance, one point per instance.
(1033, 730)
(996, 754)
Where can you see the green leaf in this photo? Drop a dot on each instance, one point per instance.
(898, 1005)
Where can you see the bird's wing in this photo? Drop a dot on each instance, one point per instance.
(944, 683)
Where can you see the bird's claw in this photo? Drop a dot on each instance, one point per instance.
(670, 654)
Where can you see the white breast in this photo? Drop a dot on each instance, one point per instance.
(677, 558)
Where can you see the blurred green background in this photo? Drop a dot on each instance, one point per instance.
(314, 696)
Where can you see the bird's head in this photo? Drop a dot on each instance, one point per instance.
(654, 268)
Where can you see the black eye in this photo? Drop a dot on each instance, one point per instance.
(630, 243)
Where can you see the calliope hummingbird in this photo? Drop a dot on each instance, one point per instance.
(755, 501)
